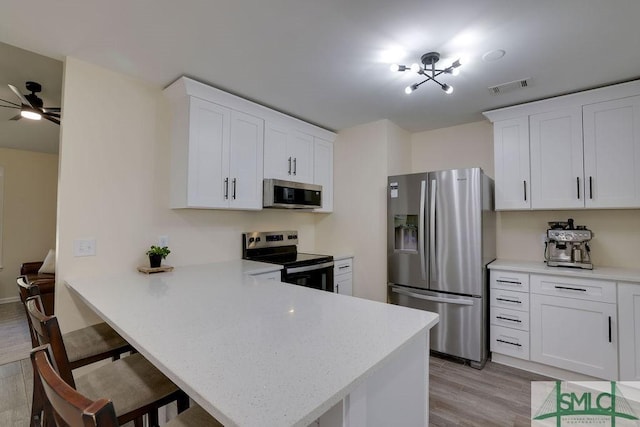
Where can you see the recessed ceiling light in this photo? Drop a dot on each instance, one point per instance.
(493, 55)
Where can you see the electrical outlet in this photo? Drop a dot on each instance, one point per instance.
(84, 247)
(163, 241)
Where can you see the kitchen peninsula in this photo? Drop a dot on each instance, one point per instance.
(262, 353)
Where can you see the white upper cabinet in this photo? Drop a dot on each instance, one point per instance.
(612, 153)
(245, 161)
(584, 150)
(219, 163)
(223, 146)
(511, 155)
(556, 159)
(323, 172)
(288, 153)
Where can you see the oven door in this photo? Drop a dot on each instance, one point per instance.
(317, 276)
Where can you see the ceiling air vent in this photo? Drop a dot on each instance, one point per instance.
(508, 87)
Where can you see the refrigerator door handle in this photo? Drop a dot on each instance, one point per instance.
(421, 235)
(432, 230)
(458, 301)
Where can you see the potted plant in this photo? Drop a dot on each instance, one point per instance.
(157, 254)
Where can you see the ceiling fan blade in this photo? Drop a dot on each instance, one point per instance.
(54, 115)
(51, 109)
(24, 100)
(10, 106)
(9, 102)
(52, 119)
(18, 117)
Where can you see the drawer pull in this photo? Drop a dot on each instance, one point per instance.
(509, 342)
(343, 266)
(509, 300)
(511, 282)
(510, 320)
(567, 288)
(609, 328)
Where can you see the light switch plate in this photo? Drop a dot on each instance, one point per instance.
(84, 247)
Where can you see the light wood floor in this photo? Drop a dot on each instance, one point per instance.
(458, 395)
(495, 396)
(15, 343)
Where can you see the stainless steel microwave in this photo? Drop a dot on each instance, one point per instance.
(291, 195)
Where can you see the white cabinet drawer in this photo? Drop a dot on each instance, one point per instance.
(509, 280)
(509, 299)
(585, 289)
(510, 318)
(344, 266)
(511, 342)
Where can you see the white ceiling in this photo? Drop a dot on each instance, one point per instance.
(324, 60)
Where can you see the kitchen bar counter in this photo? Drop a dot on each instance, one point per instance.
(539, 267)
(261, 353)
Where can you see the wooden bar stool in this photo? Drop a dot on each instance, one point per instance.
(135, 386)
(85, 345)
(67, 406)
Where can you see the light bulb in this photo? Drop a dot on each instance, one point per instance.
(455, 72)
(447, 89)
(408, 90)
(394, 67)
(415, 67)
(32, 115)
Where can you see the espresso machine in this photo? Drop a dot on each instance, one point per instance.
(567, 245)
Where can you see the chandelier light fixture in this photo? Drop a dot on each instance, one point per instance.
(429, 71)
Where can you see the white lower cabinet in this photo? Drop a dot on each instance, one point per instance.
(343, 276)
(509, 314)
(574, 324)
(629, 330)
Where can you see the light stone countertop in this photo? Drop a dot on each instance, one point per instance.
(340, 257)
(252, 353)
(539, 267)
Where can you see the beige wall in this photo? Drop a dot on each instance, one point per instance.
(114, 177)
(363, 157)
(29, 226)
(465, 146)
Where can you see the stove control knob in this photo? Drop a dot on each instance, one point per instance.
(251, 239)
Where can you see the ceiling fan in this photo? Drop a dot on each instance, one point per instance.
(31, 106)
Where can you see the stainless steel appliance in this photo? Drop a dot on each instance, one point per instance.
(441, 236)
(291, 195)
(280, 247)
(568, 245)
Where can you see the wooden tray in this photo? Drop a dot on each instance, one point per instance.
(149, 270)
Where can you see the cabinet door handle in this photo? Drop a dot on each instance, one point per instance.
(524, 185)
(295, 165)
(609, 328)
(510, 320)
(591, 187)
(509, 342)
(226, 188)
(578, 186)
(234, 189)
(509, 300)
(289, 165)
(337, 288)
(511, 282)
(568, 288)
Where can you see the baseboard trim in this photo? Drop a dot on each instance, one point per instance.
(539, 368)
(8, 300)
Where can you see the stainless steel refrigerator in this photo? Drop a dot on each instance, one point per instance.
(441, 236)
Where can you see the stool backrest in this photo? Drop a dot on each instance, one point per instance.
(47, 331)
(65, 404)
(26, 290)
